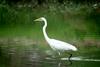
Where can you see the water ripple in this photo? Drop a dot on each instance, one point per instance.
(80, 59)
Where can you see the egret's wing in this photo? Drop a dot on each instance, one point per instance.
(61, 42)
(60, 45)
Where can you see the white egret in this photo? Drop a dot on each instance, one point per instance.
(56, 45)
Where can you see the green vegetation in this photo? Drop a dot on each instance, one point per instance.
(74, 23)
(71, 23)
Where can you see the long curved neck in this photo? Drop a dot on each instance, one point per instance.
(44, 30)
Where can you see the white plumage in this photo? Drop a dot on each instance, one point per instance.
(61, 45)
(56, 45)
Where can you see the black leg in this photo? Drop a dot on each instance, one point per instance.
(70, 56)
(69, 59)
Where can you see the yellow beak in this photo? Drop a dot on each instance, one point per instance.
(37, 19)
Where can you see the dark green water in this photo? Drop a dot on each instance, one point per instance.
(18, 55)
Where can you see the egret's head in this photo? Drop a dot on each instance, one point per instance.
(40, 19)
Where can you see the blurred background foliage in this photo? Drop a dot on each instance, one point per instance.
(76, 21)
(10, 8)
(39, 2)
